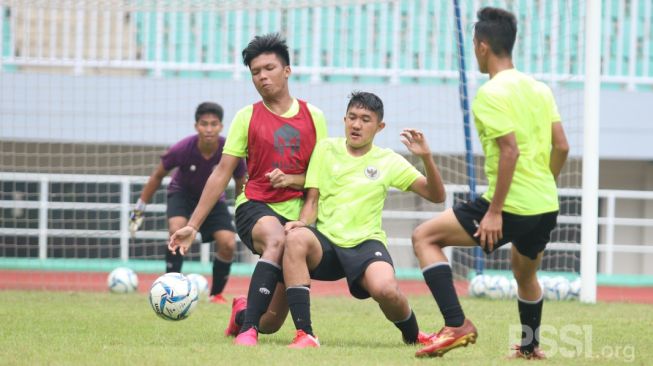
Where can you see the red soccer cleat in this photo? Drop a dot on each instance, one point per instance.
(425, 338)
(449, 338)
(217, 299)
(537, 354)
(239, 303)
(247, 338)
(422, 338)
(304, 340)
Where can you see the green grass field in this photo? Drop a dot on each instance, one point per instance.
(74, 328)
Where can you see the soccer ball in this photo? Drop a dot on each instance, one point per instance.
(478, 285)
(122, 280)
(513, 288)
(173, 296)
(200, 282)
(544, 282)
(498, 288)
(574, 290)
(557, 289)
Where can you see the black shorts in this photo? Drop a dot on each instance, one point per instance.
(182, 204)
(247, 215)
(338, 262)
(529, 234)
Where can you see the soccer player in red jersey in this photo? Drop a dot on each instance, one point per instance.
(277, 136)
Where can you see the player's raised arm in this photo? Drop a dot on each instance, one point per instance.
(431, 186)
(153, 183)
(215, 186)
(559, 149)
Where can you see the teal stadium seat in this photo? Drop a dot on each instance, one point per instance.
(363, 36)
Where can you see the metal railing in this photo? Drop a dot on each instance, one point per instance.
(44, 204)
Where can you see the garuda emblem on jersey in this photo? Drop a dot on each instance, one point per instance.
(371, 172)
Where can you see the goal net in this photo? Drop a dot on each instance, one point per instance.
(93, 92)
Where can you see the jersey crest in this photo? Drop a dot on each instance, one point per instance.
(372, 173)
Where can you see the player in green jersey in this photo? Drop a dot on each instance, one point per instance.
(525, 148)
(347, 182)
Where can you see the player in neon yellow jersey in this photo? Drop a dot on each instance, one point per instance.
(347, 182)
(276, 135)
(525, 148)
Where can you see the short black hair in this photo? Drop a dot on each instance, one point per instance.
(365, 100)
(210, 108)
(497, 27)
(267, 43)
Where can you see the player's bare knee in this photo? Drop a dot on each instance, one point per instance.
(526, 280)
(418, 246)
(418, 234)
(226, 252)
(226, 247)
(422, 244)
(296, 243)
(387, 293)
(424, 239)
(273, 246)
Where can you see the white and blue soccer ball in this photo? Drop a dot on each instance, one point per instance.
(498, 288)
(173, 296)
(478, 285)
(557, 289)
(544, 282)
(201, 282)
(574, 290)
(513, 288)
(122, 280)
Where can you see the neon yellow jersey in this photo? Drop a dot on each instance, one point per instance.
(236, 145)
(515, 102)
(353, 189)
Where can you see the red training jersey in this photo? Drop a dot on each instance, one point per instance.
(277, 142)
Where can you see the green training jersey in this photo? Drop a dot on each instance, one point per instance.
(515, 102)
(353, 189)
(236, 145)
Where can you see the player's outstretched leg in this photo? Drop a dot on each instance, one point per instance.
(458, 331)
(379, 281)
(428, 240)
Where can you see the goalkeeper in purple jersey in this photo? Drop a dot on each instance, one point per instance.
(195, 157)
